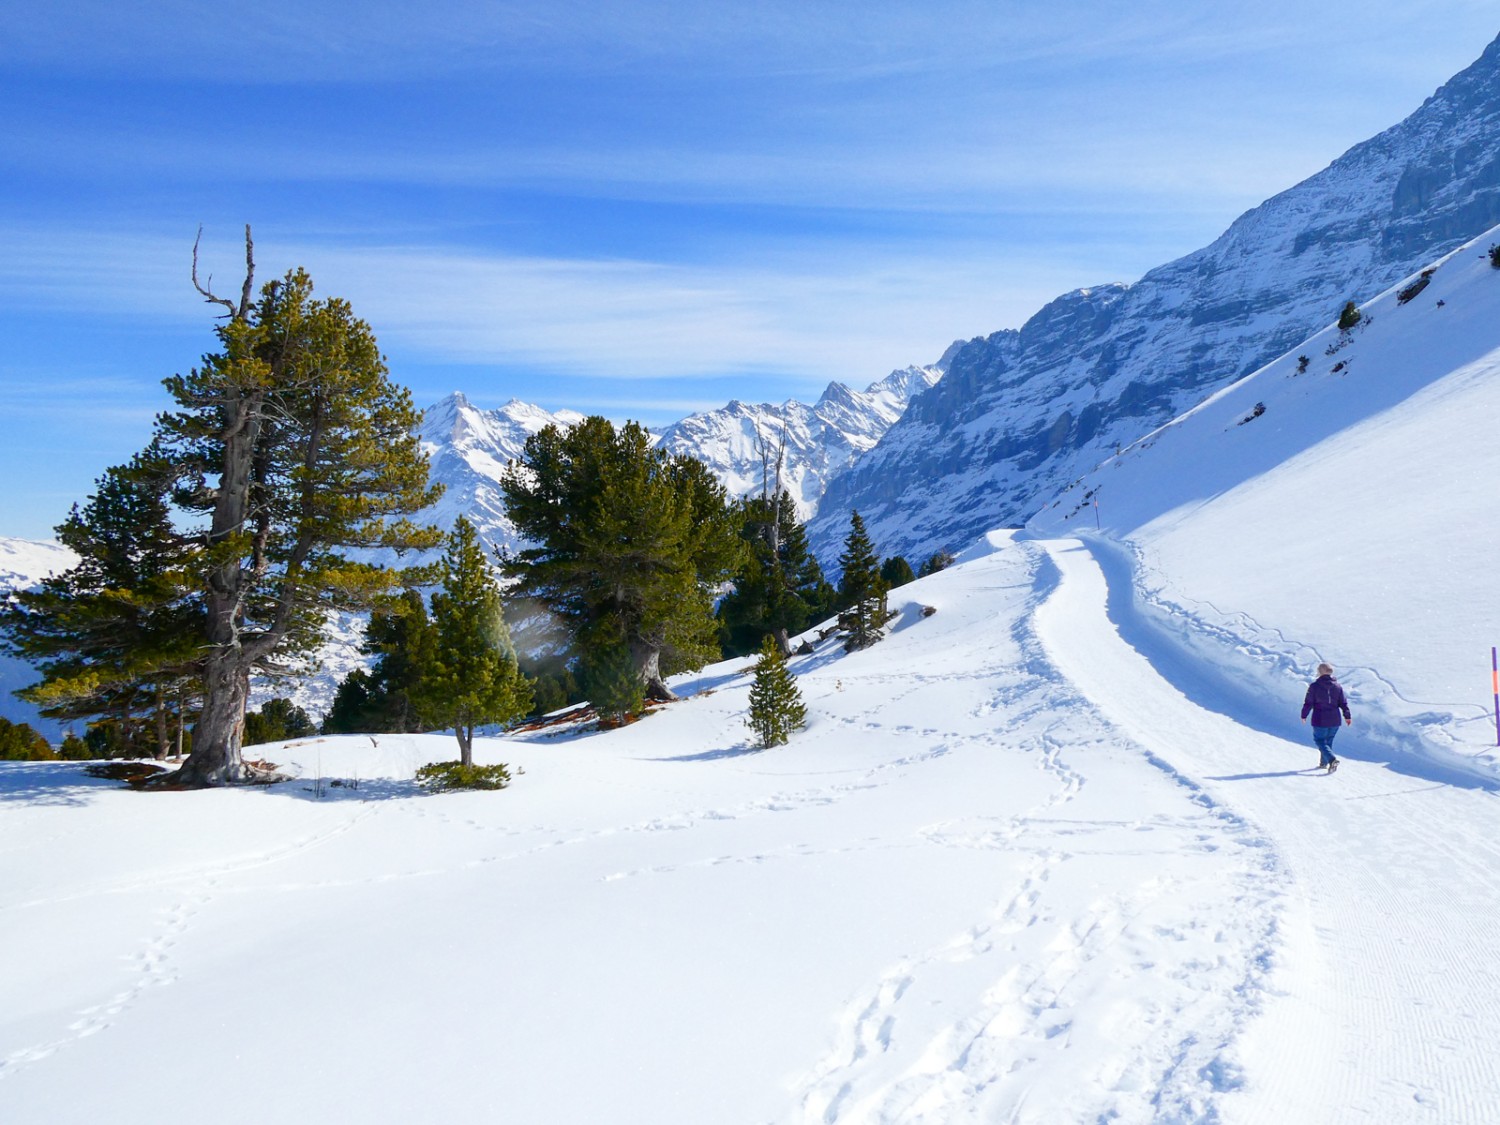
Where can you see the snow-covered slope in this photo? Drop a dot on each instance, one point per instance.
(1022, 413)
(24, 563)
(1345, 512)
(740, 442)
(1010, 872)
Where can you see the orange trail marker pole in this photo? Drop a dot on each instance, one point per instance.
(1495, 672)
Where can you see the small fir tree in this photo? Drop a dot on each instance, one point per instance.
(940, 560)
(896, 572)
(19, 742)
(1349, 317)
(862, 592)
(613, 684)
(277, 721)
(471, 678)
(73, 748)
(776, 708)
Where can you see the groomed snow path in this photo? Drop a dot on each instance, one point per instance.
(1384, 998)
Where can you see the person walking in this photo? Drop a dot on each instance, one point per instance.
(1325, 702)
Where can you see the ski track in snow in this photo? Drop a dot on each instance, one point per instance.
(1172, 1059)
(1366, 954)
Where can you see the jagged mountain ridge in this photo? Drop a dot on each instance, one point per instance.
(1021, 414)
(469, 446)
(740, 441)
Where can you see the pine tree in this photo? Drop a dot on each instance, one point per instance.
(862, 592)
(472, 678)
(939, 560)
(277, 721)
(19, 742)
(628, 547)
(779, 589)
(385, 697)
(776, 708)
(896, 571)
(292, 446)
(118, 635)
(1349, 317)
(613, 684)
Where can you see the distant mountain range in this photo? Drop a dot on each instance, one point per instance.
(469, 447)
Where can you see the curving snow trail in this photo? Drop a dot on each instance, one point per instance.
(1377, 1013)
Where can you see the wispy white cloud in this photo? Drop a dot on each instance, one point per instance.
(818, 312)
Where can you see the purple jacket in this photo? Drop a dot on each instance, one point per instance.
(1325, 699)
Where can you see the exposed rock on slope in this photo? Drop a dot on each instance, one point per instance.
(1021, 414)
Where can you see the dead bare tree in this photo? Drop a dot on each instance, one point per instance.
(242, 310)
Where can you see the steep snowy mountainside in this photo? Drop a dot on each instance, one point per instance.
(468, 448)
(1022, 413)
(822, 440)
(1342, 509)
(23, 563)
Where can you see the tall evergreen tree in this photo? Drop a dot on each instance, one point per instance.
(779, 589)
(118, 635)
(776, 708)
(629, 544)
(385, 698)
(862, 592)
(291, 445)
(472, 678)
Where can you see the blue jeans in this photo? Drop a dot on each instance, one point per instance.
(1323, 736)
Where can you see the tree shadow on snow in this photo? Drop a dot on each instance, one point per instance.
(709, 755)
(49, 783)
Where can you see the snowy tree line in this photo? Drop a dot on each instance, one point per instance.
(286, 458)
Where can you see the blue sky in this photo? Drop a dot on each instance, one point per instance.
(637, 209)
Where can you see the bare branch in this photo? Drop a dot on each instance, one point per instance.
(249, 275)
(243, 310)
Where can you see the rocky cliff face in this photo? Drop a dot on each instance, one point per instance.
(1021, 414)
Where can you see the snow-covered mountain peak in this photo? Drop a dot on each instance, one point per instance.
(1020, 414)
(738, 441)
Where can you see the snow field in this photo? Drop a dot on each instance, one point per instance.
(960, 895)
(1384, 1002)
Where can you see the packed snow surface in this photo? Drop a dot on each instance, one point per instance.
(1025, 864)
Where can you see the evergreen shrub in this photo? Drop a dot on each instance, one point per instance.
(456, 775)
